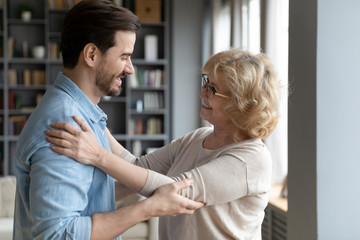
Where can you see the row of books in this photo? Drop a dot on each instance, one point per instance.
(147, 78)
(16, 102)
(153, 101)
(16, 124)
(148, 126)
(26, 77)
(54, 52)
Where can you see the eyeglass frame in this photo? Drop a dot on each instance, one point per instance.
(205, 85)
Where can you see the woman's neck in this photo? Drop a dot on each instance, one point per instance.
(223, 137)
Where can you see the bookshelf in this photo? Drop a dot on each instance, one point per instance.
(139, 118)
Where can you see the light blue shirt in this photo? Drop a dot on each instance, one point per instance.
(55, 195)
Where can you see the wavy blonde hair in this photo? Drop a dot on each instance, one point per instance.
(254, 90)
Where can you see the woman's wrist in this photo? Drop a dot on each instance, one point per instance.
(100, 157)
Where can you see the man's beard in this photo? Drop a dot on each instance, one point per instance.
(105, 83)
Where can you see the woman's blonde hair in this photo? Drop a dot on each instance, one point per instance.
(254, 90)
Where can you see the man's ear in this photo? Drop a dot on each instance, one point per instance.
(90, 54)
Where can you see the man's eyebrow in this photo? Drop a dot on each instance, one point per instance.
(126, 54)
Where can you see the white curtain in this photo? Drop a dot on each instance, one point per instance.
(275, 45)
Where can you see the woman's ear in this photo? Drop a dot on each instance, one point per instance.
(90, 54)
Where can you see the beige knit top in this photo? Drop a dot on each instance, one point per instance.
(233, 182)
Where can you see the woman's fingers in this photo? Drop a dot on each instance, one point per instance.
(82, 123)
(57, 141)
(63, 151)
(190, 205)
(173, 203)
(65, 126)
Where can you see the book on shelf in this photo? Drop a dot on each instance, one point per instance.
(139, 126)
(145, 126)
(153, 101)
(16, 124)
(11, 45)
(146, 78)
(11, 96)
(154, 126)
(26, 77)
(38, 77)
(33, 77)
(12, 77)
(54, 50)
(16, 102)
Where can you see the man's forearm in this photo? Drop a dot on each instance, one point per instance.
(165, 202)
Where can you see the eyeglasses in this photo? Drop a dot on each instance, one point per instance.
(210, 90)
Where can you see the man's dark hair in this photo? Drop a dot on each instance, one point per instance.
(93, 21)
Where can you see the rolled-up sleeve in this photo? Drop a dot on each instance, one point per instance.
(58, 196)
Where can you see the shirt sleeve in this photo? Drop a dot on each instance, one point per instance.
(59, 187)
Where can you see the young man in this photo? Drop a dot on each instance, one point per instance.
(57, 197)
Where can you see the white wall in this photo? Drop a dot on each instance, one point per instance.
(186, 64)
(324, 119)
(338, 121)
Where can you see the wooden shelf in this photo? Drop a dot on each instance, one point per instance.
(276, 200)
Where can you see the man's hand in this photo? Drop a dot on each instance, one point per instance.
(167, 202)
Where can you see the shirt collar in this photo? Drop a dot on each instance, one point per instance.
(94, 112)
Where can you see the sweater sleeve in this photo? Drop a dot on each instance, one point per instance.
(219, 176)
(218, 181)
(228, 176)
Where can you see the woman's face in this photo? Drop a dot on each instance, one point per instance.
(212, 105)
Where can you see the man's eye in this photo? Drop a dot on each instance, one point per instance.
(124, 58)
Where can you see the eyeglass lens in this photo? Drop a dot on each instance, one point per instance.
(205, 84)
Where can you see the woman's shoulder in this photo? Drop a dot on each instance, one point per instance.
(192, 138)
(248, 150)
(199, 133)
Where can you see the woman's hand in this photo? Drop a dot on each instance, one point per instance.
(167, 202)
(78, 144)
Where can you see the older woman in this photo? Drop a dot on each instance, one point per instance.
(228, 162)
